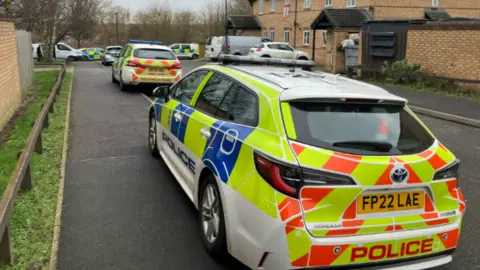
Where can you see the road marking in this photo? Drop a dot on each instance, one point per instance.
(147, 98)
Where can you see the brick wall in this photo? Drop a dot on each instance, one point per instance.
(414, 9)
(447, 51)
(10, 94)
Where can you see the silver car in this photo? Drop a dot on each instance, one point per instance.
(107, 58)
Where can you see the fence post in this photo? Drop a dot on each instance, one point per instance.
(46, 124)
(6, 255)
(50, 110)
(38, 144)
(27, 183)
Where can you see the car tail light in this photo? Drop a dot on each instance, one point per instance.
(228, 48)
(176, 65)
(288, 179)
(259, 49)
(450, 171)
(134, 63)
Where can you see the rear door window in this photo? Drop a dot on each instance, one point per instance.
(154, 54)
(362, 129)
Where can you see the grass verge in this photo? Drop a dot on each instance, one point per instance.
(44, 81)
(33, 216)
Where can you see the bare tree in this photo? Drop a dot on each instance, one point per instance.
(84, 20)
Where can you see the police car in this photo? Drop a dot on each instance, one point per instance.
(298, 170)
(146, 62)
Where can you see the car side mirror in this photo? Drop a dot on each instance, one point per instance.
(161, 92)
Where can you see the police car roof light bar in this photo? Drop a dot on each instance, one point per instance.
(235, 59)
(146, 42)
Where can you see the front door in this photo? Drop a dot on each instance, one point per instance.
(174, 121)
(62, 51)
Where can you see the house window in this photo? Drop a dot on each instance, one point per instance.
(306, 3)
(264, 33)
(273, 4)
(272, 35)
(286, 36)
(328, 3)
(351, 3)
(306, 37)
(324, 38)
(260, 7)
(435, 3)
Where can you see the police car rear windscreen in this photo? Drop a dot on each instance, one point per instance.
(361, 129)
(154, 54)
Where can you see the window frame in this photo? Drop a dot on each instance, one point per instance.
(264, 33)
(435, 3)
(351, 3)
(273, 4)
(286, 33)
(260, 7)
(328, 3)
(303, 36)
(272, 35)
(305, 3)
(175, 87)
(236, 83)
(324, 38)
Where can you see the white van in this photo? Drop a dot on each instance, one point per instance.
(64, 51)
(237, 45)
(213, 47)
(35, 50)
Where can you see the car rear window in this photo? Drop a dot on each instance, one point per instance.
(154, 54)
(362, 129)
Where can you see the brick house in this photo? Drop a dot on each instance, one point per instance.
(291, 20)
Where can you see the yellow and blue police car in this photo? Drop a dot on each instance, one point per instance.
(146, 62)
(291, 169)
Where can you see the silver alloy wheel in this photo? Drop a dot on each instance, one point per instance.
(210, 209)
(153, 134)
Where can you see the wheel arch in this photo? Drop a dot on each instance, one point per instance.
(206, 171)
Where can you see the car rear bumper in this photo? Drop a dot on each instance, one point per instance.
(252, 233)
(132, 76)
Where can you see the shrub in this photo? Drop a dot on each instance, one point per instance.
(404, 73)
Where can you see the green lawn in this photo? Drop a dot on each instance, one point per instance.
(33, 216)
(45, 80)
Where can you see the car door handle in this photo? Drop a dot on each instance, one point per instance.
(177, 116)
(205, 133)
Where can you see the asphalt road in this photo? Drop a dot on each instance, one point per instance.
(124, 210)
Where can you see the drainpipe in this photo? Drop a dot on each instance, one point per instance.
(295, 26)
(333, 47)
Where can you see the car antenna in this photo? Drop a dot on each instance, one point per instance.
(294, 63)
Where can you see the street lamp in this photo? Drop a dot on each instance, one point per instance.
(226, 28)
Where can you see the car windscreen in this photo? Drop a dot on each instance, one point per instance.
(362, 129)
(114, 49)
(154, 54)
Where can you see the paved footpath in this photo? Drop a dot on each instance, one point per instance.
(124, 210)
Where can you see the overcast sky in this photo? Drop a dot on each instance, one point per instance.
(174, 4)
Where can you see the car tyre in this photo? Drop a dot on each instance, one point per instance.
(123, 87)
(152, 135)
(113, 78)
(211, 218)
(303, 58)
(71, 59)
(194, 57)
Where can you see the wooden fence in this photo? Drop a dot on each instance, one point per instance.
(21, 178)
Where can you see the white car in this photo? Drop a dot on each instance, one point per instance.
(146, 62)
(278, 50)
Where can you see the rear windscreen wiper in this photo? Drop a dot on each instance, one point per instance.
(365, 145)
